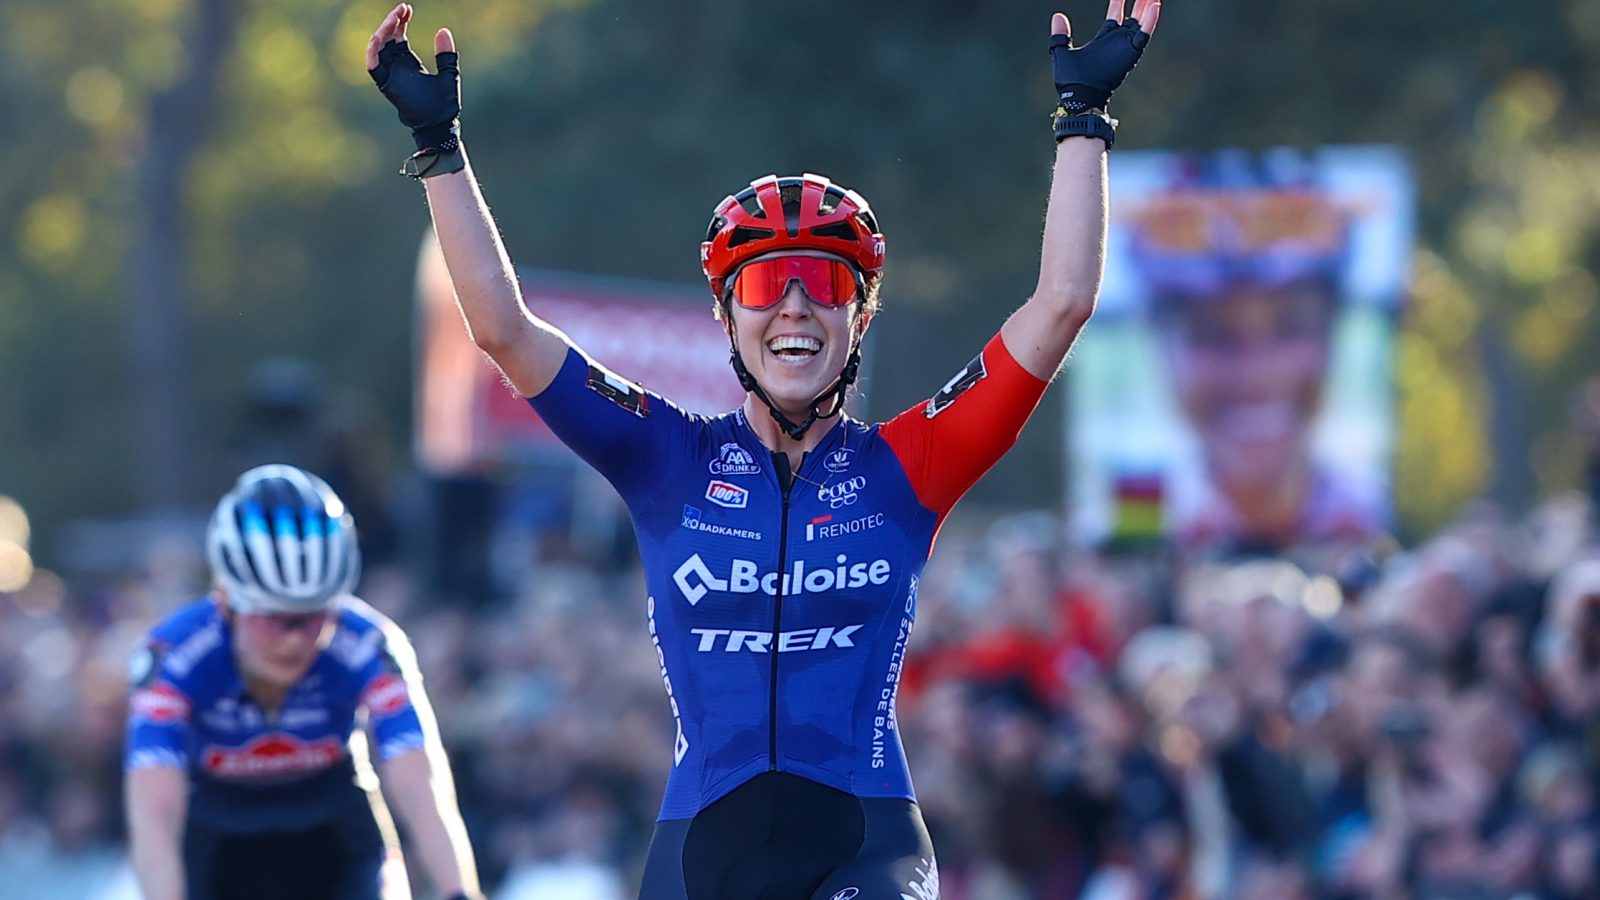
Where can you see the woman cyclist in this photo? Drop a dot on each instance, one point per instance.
(782, 541)
(243, 778)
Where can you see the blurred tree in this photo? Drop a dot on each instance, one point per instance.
(192, 159)
(605, 132)
(157, 310)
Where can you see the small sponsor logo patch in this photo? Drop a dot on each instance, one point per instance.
(694, 520)
(734, 460)
(730, 495)
(838, 461)
(970, 374)
(386, 696)
(848, 893)
(160, 704)
(618, 390)
(272, 755)
(842, 493)
(823, 527)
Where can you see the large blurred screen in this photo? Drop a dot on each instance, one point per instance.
(1234, 385)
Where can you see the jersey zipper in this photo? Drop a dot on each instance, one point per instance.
(785, 484)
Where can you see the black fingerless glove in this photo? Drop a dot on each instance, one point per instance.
(429, 104)
(1086, 76)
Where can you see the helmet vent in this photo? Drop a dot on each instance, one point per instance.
(840, 230)
(743, 234)
(830, 200)
(789, 197)
(250, 570)
(747, 199)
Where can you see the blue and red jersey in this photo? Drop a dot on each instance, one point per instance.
(780, 603)
(290, 768)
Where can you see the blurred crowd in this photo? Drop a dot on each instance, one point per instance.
(1362, 721)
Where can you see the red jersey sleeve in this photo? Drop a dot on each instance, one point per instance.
(946, 444)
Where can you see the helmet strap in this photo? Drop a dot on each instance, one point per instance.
(834, 395)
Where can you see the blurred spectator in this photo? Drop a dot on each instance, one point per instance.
(1418, 723)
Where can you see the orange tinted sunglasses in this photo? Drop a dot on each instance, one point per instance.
(830, 282)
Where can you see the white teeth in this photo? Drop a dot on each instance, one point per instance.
(794, 342)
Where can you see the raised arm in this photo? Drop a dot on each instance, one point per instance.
(1073, 256)
(527, 349)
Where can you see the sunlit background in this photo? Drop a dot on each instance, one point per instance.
(210, 262)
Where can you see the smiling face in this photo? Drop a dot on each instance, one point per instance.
(1249, 370)
(795, 348)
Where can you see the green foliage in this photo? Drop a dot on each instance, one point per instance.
(605, 131)
(298, 241)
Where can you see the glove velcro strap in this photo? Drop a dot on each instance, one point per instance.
(430, 137)
(1071, 105)
(1094, 124)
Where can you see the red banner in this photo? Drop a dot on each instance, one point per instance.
(661, 336)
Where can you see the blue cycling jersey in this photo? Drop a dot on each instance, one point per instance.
(780, 603)
(292, 768)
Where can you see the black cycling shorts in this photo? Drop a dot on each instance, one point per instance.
(339, 860)
(783, 837)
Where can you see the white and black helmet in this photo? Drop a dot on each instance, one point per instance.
(282, 541)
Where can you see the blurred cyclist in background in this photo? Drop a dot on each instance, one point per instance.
(782, 542)
(249, 768)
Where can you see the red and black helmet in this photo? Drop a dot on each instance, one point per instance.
(775, 214)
